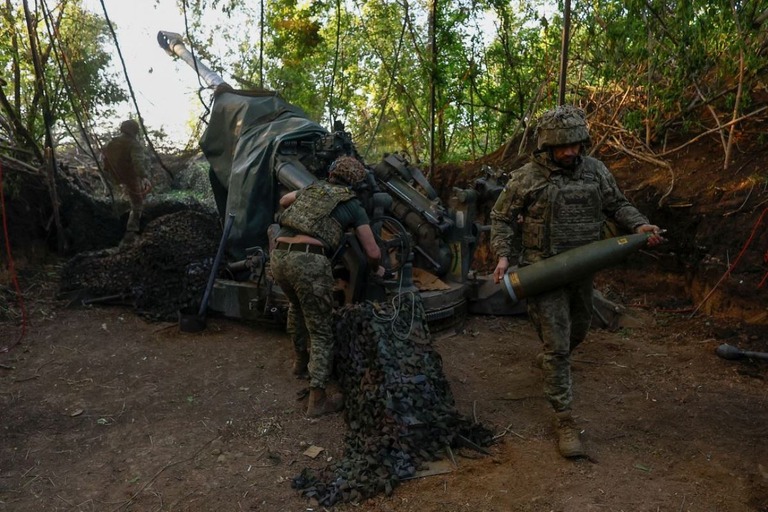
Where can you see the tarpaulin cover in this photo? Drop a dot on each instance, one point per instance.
(244, 133)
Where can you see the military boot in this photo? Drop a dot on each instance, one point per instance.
(300, 364)
(129, 238)
(568, 441)
(320, 403)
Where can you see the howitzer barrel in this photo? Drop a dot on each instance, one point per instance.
(291, 174)
(570, 266)
(173, 44)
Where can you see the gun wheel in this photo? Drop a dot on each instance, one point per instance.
(393, 240)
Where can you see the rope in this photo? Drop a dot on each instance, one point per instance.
(12, 269)
(396, 303)
(735, 262)
(130, 89)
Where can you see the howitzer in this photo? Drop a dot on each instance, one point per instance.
(259, 147)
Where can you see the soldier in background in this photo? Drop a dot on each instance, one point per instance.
(311, 231)
(558, 201)
(125, 164)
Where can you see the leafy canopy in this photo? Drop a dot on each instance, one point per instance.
(77, 83)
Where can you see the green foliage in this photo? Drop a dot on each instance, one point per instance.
(633, 120)
(674, 54)
(664, 65)
(83, 42)
(70, 44)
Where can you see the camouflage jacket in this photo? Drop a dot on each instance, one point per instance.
(124, 159)
(544, 210)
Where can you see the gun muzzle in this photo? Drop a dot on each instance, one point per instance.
(173, 44)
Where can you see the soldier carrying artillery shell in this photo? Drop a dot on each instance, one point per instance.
(560, 200)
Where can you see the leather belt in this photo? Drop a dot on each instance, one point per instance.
(300, 247)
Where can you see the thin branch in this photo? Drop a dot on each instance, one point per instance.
(392, 79)
(26, 167)
(19, 128)
(714, 116)
(390, 71)
(616, 111)
(739, 92)
(652, 160)
(737, 210)
(713, 130)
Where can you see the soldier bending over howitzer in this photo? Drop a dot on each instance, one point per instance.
(563, 198)
(311, 231)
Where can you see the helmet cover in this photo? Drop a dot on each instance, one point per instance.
(130, 127)
(562, 126)
(347, 169)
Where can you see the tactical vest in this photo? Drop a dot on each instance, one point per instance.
(565, 215)
(310, 213)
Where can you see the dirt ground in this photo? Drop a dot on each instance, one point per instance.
(104, 411)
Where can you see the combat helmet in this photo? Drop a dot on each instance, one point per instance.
(347, 169)
(562, 126)
(130, 127)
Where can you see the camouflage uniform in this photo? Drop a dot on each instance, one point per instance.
(306, 278)
(546, 209)
(124, 162)
(307, 282)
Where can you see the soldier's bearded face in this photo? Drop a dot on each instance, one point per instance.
(566, 156)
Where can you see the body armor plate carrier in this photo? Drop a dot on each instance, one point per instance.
(571, 218)
(310, 213)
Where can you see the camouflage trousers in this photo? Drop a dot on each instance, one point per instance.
(132, 192)
(134, 218)
(562, 318)
(306, 280)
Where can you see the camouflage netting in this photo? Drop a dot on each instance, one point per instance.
(165, 271)
(399, 408)
(93, 217)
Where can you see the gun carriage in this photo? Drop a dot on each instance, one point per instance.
(259, 147)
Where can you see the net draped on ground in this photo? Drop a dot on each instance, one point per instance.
(399, 408)
(165, 271)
